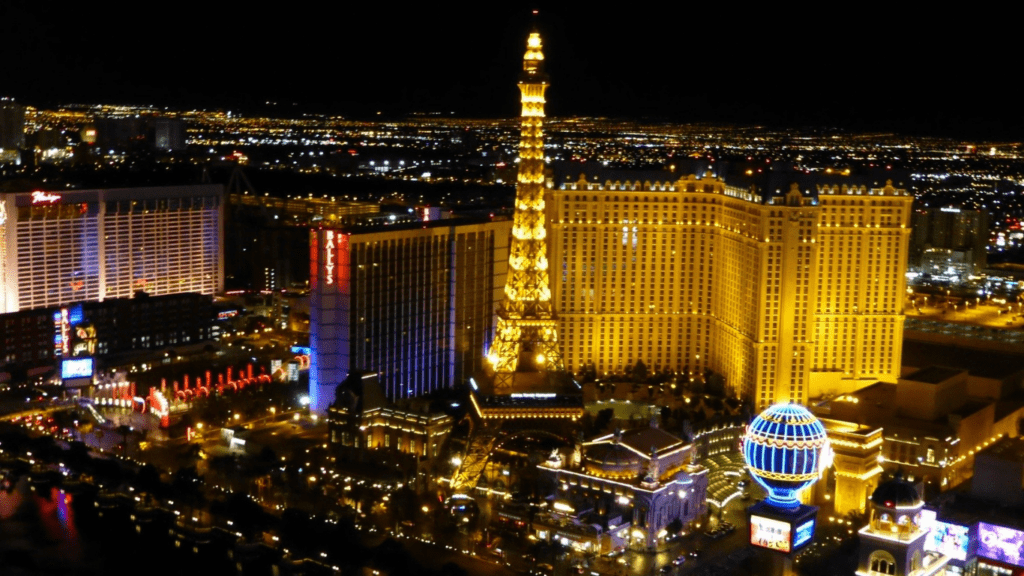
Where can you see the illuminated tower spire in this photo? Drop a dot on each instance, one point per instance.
(526, 339)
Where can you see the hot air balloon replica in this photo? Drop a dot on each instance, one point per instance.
(786, 450)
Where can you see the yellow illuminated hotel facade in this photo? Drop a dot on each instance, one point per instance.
(788, 294)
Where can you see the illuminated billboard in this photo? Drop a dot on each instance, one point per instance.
(949, 539)
(804, 532)
(73, 368)
(1001, 544)
(770, 534)
(927, 520)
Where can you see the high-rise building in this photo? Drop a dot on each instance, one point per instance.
(414, 303)
(526, 339)
(12, 130)
(169, 134)
(264, 233)
(87, 245)
(786, 293)
(949, 241)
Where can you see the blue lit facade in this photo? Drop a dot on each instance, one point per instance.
(413, 304)
(786, 449)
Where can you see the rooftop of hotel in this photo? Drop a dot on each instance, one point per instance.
(876, 405)
(933, 374)
(766, 184)
(381, 224)
(848, 427)
(1009, 449)
(641, 440)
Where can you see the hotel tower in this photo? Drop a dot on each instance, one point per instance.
(788, 293)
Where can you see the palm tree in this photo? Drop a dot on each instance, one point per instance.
(187, 487)
(124, 430)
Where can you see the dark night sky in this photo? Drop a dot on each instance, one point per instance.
(836, 65)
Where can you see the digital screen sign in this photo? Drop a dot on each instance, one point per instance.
(1001, 544)
(804, 532)
(76, 315)
(72, 368)
(301, 350)
(770, 534)
(927, 519)
(949, 539)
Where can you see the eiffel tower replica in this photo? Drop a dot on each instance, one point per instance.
(525, 386)
(525, 377)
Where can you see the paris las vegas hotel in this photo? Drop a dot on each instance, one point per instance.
(788, 293)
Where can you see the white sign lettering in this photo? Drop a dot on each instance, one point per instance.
(44, 197)
(329, 257)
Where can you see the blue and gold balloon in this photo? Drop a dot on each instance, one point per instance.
(786, 449)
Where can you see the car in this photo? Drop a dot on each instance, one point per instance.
(615, 553)
(679, 560)
(665, 569)
(695, 553)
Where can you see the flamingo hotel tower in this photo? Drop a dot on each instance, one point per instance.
(67, 246)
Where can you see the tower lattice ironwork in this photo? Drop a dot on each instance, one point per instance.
(526, 339)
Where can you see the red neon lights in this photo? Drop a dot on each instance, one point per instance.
(314, 258)
(343, 260)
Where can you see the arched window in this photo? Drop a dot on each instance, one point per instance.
(881, 562)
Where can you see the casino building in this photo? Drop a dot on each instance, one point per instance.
(413, 303)
(41, 336)
(894, 540)
(977, 530)
(790, 292)
(632, 485)
(57, 248)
